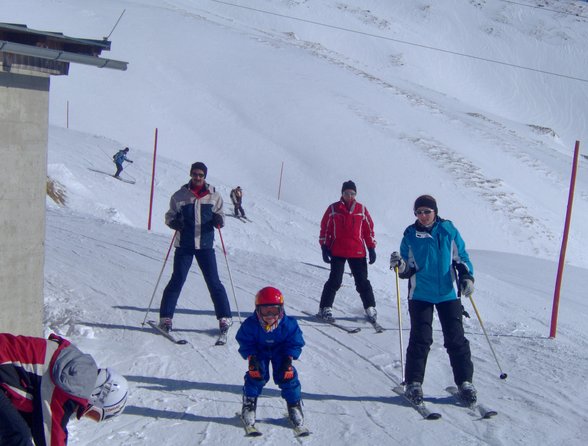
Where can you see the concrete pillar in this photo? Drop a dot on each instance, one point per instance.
(24, 111)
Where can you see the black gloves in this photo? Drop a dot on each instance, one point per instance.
(372, 255)
(177, 224)
(217, 220)
(465, 280)
(466, 285)
(254, 368)
(326, 254)
(286, 369)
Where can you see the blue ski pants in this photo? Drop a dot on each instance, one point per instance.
(206, 259)
(290, 389)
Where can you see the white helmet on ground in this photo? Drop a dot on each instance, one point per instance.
(109, 398)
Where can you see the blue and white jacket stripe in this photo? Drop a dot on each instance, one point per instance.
(198, 231)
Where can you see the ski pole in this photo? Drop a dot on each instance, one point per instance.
(229, 270)
(127, 174)
(399, 323)
(159, 278)
(502, 374)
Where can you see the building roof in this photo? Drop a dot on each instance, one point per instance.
(22, 41)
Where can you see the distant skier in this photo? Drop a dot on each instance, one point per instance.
(118, 158)
(270, 336)
(237, 199)
(346, 230)
(431, 252)
(45, 382)
(194, 212)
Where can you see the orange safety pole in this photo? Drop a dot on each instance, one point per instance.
(152, 183)
(564, 244)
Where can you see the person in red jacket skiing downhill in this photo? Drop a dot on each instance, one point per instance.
(346, 230)
(45, 382)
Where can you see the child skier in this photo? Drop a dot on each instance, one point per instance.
(270, 336)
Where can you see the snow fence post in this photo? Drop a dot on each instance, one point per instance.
(564, 243)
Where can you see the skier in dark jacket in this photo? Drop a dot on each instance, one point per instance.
(431, 252)
(270, 336)
(118, 159)
(44, 382)
(194, 212)
(237, 199)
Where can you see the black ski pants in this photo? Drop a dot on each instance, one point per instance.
(421, 338)
(239, 208)
(359, 270)
(14, 430)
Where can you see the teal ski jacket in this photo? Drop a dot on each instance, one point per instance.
(432, 256)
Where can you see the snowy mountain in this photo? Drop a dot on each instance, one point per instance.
(399, 96)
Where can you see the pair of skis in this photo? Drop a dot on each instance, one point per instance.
(251, 430)
(474, 408)
(221, 339)
(240, 218)
(345, 328)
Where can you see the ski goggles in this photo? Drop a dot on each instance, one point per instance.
(270, 310)
(94, 413)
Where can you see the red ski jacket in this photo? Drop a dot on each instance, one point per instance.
(347, 232)
(47, 380)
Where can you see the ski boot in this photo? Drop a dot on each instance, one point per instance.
(414, 392)
(224, 324)
(248, 410)
(295, 414)
(165, 323)
(371, 315)
(326, 314)
(467, 392)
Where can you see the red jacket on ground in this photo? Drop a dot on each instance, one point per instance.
(347, 232)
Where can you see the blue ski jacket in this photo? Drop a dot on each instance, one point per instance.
(431, 256)
(286, 340)
(120, 156)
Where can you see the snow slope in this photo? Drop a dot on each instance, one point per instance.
(101, 274)
(247, 86)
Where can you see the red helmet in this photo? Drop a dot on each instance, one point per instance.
(269, 296)
(265, 299)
